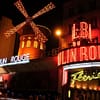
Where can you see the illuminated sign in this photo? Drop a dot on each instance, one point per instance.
(82, 65)
(81, 30)
(80, 76)
(79, 54)
(15, 60)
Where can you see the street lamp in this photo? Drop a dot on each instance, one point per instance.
(58, 33)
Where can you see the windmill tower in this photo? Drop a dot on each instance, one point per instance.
(34, 44)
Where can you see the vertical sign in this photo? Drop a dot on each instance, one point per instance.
(83, 30)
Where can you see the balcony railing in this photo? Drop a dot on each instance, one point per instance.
(52, 52)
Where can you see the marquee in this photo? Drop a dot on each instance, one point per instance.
(80, 76)
(79, 54)
(14, 60)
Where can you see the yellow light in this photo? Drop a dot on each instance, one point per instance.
(58, 32)
(95, 88)
(78, 86)
(84, 87)
(80, 76)
(90, 87)
(69, 93)
(72, 85)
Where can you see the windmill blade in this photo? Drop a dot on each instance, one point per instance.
(21, 8)
(13, 30)
(47, 8)
(39, 35)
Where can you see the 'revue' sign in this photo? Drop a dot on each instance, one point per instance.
(14, 60)
(79, 54)
(80, 76)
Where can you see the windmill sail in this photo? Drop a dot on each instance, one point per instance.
(29, 19)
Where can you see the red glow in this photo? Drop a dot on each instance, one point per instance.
(6, 77)
(78, 54)
(59, 59)
(95, 33)
(72, 55)
(83, 30)
(64, 77)
(83, 54)
(92, 53)
(63, 58)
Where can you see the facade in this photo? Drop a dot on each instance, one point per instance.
(32, 74)
(5, 43)
(78, 61)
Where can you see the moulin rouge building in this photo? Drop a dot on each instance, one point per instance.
(79, 57)
(80, 64)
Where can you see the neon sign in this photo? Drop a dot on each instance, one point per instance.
(80, 76)
(83, 30)
(82, 65)
(79, 54)
(14, 60)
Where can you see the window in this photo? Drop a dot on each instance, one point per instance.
(35, 44)
(41, 46)
(22, 44)
(28, 43)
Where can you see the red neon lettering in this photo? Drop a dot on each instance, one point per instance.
(67, 56)
(83, 29)
(83, 53)
(90, 31)
(73, 55)
(79, 54)
(63, 54)
(59, 59)
(92, 52)
(98, 52)
(73, 32)
(64, 77)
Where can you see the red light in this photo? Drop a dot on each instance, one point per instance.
(78, 54)
(6, 77)
(82, 30)
(64, 77)
(93, 53)
(83, 53)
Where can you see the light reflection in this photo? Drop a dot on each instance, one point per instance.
(90, 87)
(95, 88)
(2, 70)
(78, 86)
(72, 85)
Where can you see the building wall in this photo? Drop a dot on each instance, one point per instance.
(75, 10)
(6, 44)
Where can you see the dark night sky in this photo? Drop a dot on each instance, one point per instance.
(50, 19)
